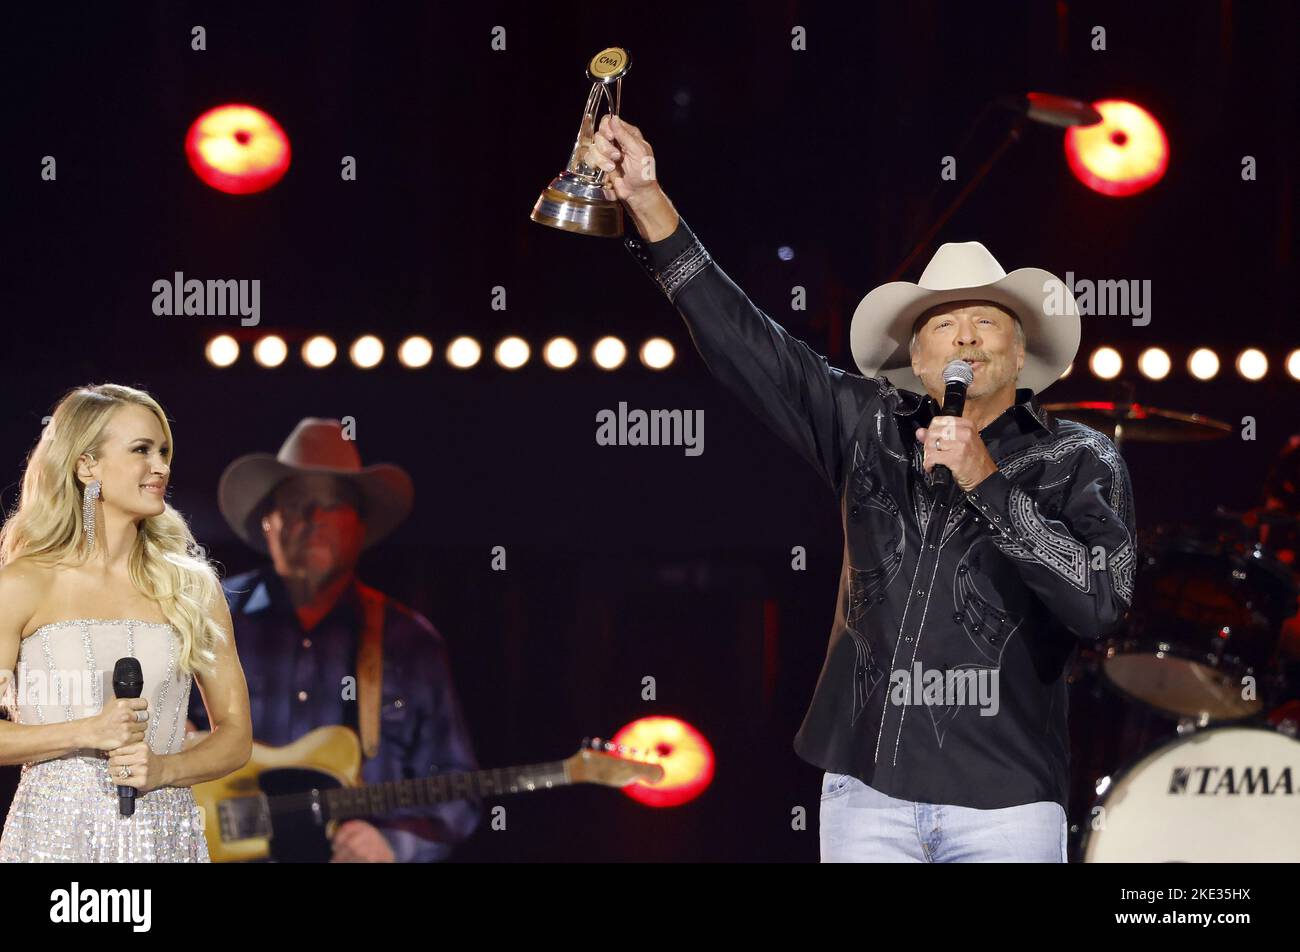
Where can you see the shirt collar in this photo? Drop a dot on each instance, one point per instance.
(270, 596)
(1027, 407)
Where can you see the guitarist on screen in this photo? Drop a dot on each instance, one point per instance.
(320, 648)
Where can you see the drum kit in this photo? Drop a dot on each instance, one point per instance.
(1183, 740)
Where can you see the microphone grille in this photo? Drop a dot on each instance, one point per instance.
(128, 670)
(958, 371)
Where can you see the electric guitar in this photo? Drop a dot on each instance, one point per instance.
(286, 802)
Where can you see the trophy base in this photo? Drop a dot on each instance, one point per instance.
(571, 204)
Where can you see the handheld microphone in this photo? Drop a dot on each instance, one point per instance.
(128, 681)
(957, 376)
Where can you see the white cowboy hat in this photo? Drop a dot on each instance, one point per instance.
(882, 326)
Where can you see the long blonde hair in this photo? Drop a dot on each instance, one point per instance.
(165, 564)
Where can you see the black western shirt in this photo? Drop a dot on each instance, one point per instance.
(939, 587)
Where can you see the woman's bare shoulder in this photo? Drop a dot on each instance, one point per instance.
(22, 575)
(24, 583)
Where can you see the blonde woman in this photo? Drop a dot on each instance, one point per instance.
(94, 567)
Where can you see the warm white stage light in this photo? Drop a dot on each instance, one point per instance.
(1252, 364)
(1293, 364)
(1154, 363)
(512, 352)
(222, 350)
(367, 351)
(319, 351)
(464, 352)
(1106, 363)
(657, 353)
(270, 351)
(415, 352)
(560, 353)
(1203, 364)
(609, 353)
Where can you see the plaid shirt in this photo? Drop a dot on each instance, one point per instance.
(295, 683)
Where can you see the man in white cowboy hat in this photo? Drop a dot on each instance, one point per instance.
(306, 627)
(940, 713)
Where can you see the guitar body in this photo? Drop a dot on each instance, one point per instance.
(234, 807)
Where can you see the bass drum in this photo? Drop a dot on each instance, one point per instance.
(1222, 795)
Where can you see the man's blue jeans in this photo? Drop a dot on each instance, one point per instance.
(861, 825)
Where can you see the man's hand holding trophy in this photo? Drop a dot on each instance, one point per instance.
(610, 164)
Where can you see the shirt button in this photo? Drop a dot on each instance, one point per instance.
(908, 639)
(962, 570)
(932, 545)
(306, 642)
(302, 695)
(958, 617)
(920, 592)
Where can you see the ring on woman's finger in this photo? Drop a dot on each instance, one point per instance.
(142, 715)
(124, 772)
(938, 442)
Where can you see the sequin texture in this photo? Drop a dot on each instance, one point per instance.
(66, 809)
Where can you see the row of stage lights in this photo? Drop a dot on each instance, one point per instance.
(510, 353)
(610, 353)
(1154, 363)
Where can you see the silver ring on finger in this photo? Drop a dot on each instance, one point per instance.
(938, 442)
(142, 715)
(124, 772)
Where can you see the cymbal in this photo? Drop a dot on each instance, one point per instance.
(1141, 423)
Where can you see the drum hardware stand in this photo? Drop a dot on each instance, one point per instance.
(1189, 725)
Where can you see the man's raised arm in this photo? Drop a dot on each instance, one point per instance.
(811, 405)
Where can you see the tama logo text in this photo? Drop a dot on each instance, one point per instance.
(1229, 781)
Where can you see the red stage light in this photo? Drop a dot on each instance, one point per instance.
(680, 749)
(1124, 154)
(237, 149)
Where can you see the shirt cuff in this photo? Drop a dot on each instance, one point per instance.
(672, 261)
(991, 499)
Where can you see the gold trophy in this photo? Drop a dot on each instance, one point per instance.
(578, 199)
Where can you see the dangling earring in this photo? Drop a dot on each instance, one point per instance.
(88, 511)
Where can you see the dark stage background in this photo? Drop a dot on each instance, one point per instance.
(622, 561)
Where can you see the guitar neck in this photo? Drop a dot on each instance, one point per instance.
(380, 798)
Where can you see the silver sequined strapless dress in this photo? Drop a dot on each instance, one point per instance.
(66, 810)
